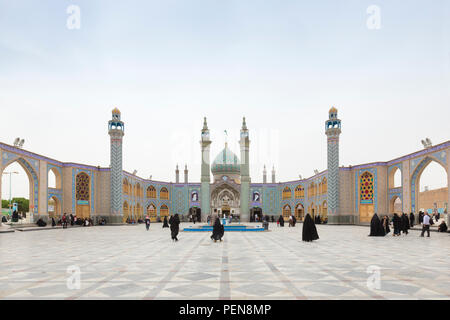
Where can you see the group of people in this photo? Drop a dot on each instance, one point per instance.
(401, 224)
(73, 220)
(15, 217)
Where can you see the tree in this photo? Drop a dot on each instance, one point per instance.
(22, 204)
(5, 204)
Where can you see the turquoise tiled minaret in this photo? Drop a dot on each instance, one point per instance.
(245, 173)
(116, 133)
(205, 177)
(333, 130)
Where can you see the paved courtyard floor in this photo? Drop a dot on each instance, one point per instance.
(127, 262)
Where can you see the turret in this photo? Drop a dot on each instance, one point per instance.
(116, 132)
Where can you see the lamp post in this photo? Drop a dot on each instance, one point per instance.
(10, 174)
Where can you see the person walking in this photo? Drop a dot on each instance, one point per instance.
(411, 219)
(64, 221)
(404, 223)
(397, 224)
(174, 222)
(426, 225)
(147, 222)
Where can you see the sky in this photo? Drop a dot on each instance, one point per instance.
(167, 64)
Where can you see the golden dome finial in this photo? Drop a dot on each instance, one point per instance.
(116, 111)
(333, 110)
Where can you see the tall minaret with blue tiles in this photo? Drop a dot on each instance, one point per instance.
(245, 172)
(333, 130)
(116, 133)
(205, 143)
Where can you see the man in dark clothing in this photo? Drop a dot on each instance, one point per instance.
(376, 228)
(309, 229)
(294, 221)
(421, 217)
(15, 216)
(174, 222)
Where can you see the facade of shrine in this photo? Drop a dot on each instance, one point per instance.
(343, 195)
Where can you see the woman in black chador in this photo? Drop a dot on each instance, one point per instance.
(397, 224)
(376, 227)
(174, 222)
(218, 231)
(411, 219)
(165, 225)
(405, 223)
(281, 220)
(385, 223)
(309, 229)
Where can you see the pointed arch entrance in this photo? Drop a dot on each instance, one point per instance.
(366, 196)
(286, 212)
(33, 181)
(415, 180)
(54, 207)
(82, 194)
(299, 212)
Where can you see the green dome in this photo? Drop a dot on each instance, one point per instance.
(226, 162)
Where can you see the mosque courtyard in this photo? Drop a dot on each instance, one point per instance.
(127, 262)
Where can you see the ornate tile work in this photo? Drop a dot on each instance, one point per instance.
(75, 172)
(374, 198)
(180, 199)
(271, 200)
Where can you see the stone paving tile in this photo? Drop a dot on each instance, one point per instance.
(130, 263)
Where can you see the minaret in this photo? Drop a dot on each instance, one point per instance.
(205, 177)
(177, 175)
(273, 174)
(185, 174)
(245, 172)
(333, 130)
(264, 175)
(116, 132)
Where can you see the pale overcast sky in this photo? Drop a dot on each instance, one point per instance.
(281, 64)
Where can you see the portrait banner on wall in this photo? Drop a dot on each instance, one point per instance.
(194, 196)
(256, 197)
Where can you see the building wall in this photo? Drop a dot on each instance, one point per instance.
(346, 198)
(271, 193)
(428, 199)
